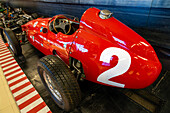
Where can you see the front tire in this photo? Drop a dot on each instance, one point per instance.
(60, 82)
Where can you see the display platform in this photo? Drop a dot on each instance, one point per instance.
(95, 98)
(100, 99)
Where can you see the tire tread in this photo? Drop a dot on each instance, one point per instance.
(64, 78)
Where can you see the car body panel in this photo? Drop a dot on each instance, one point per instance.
(111, 53)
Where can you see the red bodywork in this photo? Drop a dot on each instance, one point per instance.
(111, 53)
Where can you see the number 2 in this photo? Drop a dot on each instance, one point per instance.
(124, 62)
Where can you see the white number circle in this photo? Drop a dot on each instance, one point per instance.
(124, 61)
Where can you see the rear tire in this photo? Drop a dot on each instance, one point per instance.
(60, 82)
(14, 44)
(2, 35)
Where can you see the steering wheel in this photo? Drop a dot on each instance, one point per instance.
(62, 24)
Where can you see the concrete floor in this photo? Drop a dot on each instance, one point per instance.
(101, 99)
(7, 101)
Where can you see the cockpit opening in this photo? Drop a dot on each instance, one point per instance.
(66, 24)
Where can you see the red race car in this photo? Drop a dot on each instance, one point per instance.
(99, 48)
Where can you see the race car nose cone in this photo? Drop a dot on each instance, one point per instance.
(105, 14)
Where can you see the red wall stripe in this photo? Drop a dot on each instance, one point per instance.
(16, 82)
(29, 101)
(6, 61)
(24, 94)
(8, 64)
(5, 54)
(15, 66)
(17, 75)
(14, 71)
(21, 87)
(5, 58)
(37, 108)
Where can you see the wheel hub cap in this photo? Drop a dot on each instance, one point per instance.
(52, 87)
